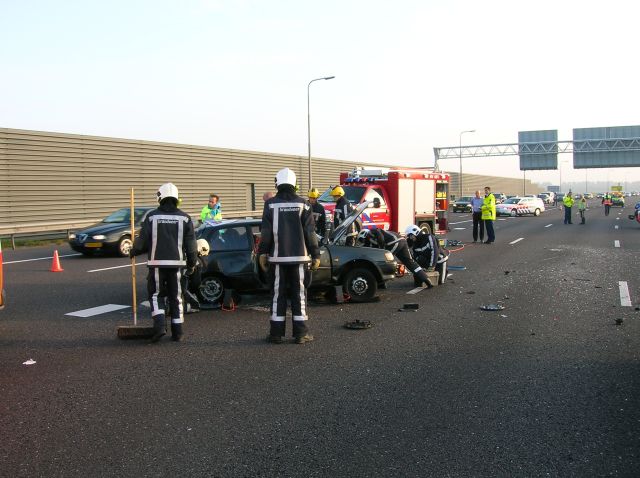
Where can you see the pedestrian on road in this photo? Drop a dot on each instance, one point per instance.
(476, 212)
(213, 210)
(582, 207)
(167, 236)
(287, 239)
(488, 214)
(607, 201)
(567, 201)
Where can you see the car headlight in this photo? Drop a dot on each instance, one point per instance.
(100, 237)
(388, 256)
(72, 236)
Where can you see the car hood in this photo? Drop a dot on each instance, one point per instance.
(350, 219)
(105, 228)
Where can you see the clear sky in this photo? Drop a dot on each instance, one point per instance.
(410, 75)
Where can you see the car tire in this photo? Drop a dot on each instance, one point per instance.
(513, 213)
(360, 284)
(536, 213)
(211, 290)
(124, 246)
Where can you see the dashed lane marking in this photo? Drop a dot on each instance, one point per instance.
(103, 309)
(116, 267)
(548, 225)
(616, 243)
(459, 228)
(416, 290)
(616, 227)
(40, 259)
(625, 297)
(517, 240)
(460, 222)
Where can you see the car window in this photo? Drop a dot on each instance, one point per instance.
(512, 201)
(375, 193)
(465, 198)
(121, 215)
(227, 239)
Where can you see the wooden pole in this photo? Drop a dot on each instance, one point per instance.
(133, 264)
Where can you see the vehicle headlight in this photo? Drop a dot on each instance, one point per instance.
(100, 237)
(388, 256)
(72, 236)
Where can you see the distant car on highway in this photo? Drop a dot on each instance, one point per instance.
(546, 198)
(519, 206)
(500, 198)
(617, 201)
(233, 261)
(462, 204)
(111, 235)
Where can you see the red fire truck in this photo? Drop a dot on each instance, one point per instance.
(401, 197)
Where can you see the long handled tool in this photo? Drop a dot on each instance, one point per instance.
(134, 331)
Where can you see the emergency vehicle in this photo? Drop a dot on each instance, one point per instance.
(401, 197)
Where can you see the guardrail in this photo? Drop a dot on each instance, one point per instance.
(65, 227)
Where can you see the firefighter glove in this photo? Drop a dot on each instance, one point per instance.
(264, 262)
(315, 264)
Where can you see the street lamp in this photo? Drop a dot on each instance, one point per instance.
(460, 144)
(309, 124)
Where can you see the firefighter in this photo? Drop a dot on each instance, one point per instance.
(426, 250)
(392, 242)
(287, 239)
(607, 201)
(318, 212)
(342, 210)
(167, 236)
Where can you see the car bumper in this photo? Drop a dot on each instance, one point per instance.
(92, 246)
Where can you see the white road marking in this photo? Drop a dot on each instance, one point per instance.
(459, 228)
(616, 243)
(103, 309)
(617, 218)
(145, 304)
(625, 297)
(548, 225)
(502, 219)
(460, 222)
(117, 267)
(416, 290)
(616, 227)
(41, 258)
(517, 240)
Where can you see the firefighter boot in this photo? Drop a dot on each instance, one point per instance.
(158, 328)
(276, 332)
(424, 279)
(301, 333)
(176, 332)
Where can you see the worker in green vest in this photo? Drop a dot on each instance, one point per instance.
(212, 211)
(488, 214)
(567, 201)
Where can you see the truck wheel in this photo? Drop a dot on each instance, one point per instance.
(360, 284)
(427, 226)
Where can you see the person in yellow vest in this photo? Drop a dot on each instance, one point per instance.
(212, 211)
(567, 201)
(607, 201)
(488, 215)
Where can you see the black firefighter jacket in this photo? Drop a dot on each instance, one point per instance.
(288, 230)
(168, 237)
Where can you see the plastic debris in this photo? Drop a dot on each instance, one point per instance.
(619, 321)
(409, 307)
(358, 324)
(457, 268)
(492, 307)
(29, 362)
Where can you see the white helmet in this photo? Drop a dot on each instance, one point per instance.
(363, 235)
(167, 190)
(203, 247)
(285, 176)
(412, 230)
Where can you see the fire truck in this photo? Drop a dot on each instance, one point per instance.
(401, 197)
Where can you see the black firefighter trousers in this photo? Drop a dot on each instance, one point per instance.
(289, 282)
(163, 283)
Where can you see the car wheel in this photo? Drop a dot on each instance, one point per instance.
(360, 284)
(513, 213)
(124, 246)
(536, 212)
(211, 289)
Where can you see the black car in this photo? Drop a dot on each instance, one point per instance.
(112, 234)
(233, 264)
(462, 204)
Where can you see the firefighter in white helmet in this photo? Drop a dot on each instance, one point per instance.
(426, 250)
(392, 242)
(167, 236)
(287, 240)
(342, 210)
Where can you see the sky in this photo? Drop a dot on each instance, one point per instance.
(409, 75)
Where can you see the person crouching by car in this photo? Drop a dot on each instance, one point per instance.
(167, 236)
(287, 238)
(426, 250)
(191, 283)
(392, 242)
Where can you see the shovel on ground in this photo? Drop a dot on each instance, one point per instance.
(134, 331)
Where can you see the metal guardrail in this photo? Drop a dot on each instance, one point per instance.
(40, 229)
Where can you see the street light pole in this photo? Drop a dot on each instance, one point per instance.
(309, 126)
(460, 146)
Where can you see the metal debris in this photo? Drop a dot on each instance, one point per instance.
(358, 324)
(492, 307)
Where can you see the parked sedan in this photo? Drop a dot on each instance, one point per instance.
(462, 204)
(233, 264)
(520, 206)
(112, 234)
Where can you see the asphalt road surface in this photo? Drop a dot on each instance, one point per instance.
(549, 386)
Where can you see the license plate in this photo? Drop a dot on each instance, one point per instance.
(93, 244)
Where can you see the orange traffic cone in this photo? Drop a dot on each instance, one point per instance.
(55, 265)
